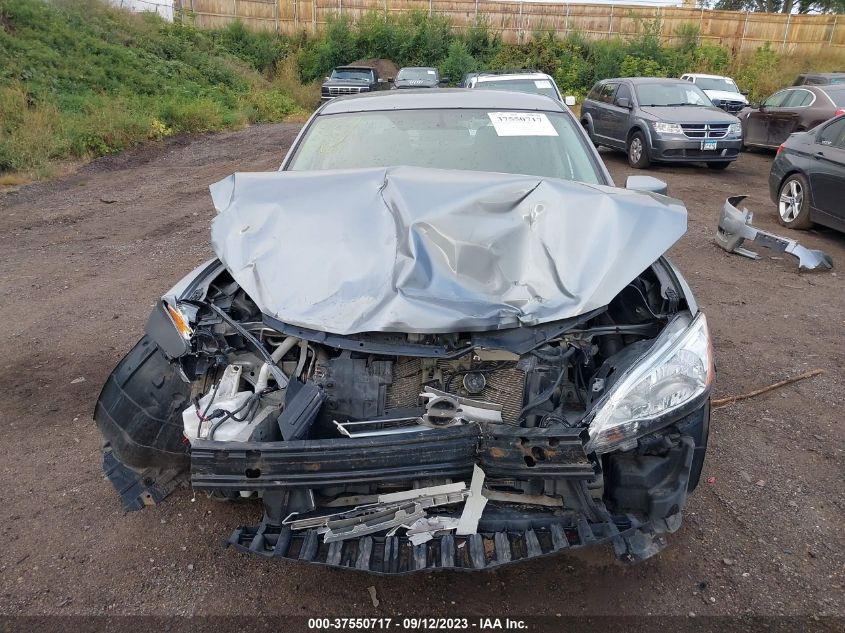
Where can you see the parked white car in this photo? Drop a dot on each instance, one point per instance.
(530, 81)
(722, 91)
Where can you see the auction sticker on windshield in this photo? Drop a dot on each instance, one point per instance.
(522, 124)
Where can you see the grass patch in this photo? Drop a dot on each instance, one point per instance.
(81, 79)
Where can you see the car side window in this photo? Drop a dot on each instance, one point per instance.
(607, 91)
(777, 99)
(594, 93)
(833, 135)
(623, 92)
(798, 99)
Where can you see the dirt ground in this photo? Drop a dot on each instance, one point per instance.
(82, 260)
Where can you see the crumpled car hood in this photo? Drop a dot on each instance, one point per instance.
(408, 249)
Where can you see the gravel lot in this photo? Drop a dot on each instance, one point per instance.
(82, 260)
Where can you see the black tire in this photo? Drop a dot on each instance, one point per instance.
(589, 130)
(794, 202)
(718, 165)
(638, 151)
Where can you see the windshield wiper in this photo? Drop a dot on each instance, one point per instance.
(677, 105)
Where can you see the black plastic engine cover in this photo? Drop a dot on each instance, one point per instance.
(355, 388)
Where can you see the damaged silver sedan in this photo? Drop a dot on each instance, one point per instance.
(438, 337)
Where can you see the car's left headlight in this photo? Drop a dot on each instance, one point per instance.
(676, 371)
(735, 129)
(668, 128)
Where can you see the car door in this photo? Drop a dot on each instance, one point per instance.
(601, 117)
(618, 116)
(827, 171)
(783, 119)
(757, 121)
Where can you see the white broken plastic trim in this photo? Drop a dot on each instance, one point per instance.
(474, 505)
(430, 491)
(408, 511)
(424, 529)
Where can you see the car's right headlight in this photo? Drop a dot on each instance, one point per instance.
(667, 128)
(677, 371)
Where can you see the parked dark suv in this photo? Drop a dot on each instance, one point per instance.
(350, 80)
(660, 120)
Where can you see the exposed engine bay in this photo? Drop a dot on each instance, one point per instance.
(445, 380)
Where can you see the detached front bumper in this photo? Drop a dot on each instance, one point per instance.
(689, 150)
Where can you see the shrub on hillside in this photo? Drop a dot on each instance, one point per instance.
(458, 62)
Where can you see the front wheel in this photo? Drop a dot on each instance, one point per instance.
(719, 166)
(589, 130)
(794, 203)
(638, 151)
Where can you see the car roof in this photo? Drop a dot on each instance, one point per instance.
(706, 76)
(815, 88)
(481, 77)
(827, 75)
(647, 80)
(446, 98)
(418, 68)
(353, 68)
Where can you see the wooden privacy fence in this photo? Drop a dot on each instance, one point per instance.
(516, 20)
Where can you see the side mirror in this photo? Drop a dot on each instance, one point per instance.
(443, 82)
(744, 93)
(327, 78)
(569, 100)
(624, 102)
(648, 184)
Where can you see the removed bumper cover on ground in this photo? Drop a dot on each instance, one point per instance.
(735, 228)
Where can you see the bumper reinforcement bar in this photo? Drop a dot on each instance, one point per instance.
(500, 450)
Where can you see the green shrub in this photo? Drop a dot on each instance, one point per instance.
(633, 66)
(262, 50)
(458, 62)
(482, 43)
(194, 115)
(759, 74)
(27, 130)
(271, 105)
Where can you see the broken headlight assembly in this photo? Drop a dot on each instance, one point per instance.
(181, 319)
(676, 372)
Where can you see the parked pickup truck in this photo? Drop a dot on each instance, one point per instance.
(350, 80)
